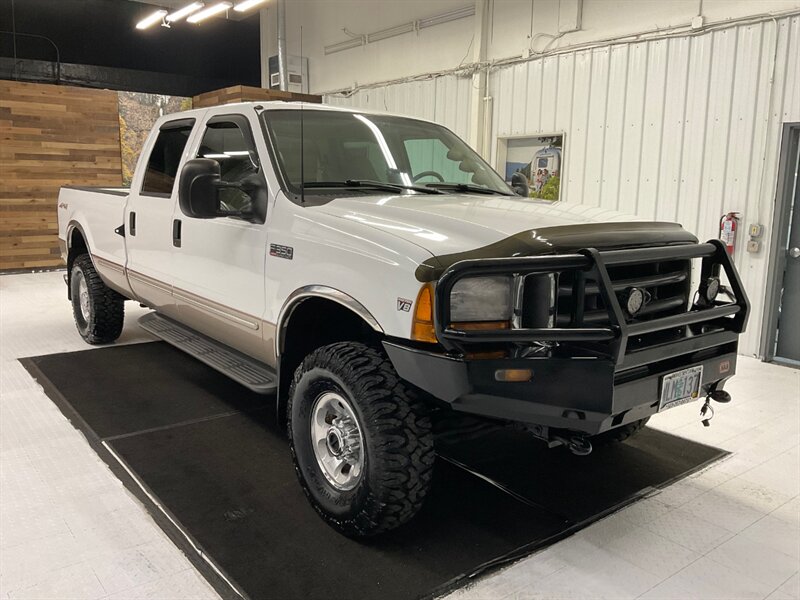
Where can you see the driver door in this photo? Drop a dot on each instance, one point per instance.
(219, 263)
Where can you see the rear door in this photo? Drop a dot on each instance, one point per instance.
(148, 214)
(219, 263)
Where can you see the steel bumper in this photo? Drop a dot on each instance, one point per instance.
(584, 394)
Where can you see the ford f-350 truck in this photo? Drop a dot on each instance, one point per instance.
(376, 275)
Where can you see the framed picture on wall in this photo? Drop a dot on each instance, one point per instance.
(539, 158)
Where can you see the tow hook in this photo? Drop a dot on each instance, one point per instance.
(579, 446)
(720, 396)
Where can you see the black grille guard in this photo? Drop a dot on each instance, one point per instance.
(593, 262)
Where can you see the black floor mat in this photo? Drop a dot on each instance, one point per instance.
(210, 454)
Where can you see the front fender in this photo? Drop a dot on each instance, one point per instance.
(320, 291)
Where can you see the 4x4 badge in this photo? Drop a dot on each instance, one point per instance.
(404, 304)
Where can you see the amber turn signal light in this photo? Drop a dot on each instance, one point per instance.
(513, 375)
(422, 328)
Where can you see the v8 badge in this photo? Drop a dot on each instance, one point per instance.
(404, 304)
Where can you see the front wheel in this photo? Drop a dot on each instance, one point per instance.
(98, 310)
(361, 441)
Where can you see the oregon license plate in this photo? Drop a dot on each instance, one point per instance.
(680, 387)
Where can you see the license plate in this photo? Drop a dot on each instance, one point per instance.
(680, 387)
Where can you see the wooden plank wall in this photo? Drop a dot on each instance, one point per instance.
(50, 136)
(243, 93)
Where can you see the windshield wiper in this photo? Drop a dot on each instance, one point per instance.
(467, 187)
(370, 184)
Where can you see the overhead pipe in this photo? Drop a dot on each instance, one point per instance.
(283, 61)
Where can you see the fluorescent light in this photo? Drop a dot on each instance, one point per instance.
(216, 156)
(151, 20)
(184, 12)
(209, 12)
(247, 5)
(459, 13)
(390, 32)
(346, 45)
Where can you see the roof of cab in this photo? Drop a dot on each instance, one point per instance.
(275, 105)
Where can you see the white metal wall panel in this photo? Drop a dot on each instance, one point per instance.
(445, 99)
(678, 129)
(611, 169)
(673, 129)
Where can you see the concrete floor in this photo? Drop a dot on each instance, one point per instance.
(68, 529)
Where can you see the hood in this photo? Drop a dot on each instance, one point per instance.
(455, 227)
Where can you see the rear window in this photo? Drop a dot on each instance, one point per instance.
(162, 165)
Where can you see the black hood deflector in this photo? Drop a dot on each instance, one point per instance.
(562, 240)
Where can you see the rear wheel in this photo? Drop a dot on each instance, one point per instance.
(98, 310)
(361, 440)
(619, 434)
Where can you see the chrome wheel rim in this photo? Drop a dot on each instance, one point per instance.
(337, 441)
(83, 296)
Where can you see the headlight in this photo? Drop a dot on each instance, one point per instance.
(481, 299)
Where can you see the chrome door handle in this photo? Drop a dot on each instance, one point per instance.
(794, 252)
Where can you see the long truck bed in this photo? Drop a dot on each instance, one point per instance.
(101, 210)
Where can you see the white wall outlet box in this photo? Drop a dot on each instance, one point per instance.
(755, 230)
(697, 22)
(753, 246)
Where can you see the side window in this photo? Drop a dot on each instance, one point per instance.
(232, 147)
(162, 165)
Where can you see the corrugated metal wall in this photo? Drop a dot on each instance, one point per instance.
(446, 100)
(680, 129)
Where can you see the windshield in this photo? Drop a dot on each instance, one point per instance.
(343, 148)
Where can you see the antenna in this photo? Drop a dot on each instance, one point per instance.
(302, 133)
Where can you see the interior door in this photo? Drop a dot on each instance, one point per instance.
(788, 342)
(148, 216)
(219, 263)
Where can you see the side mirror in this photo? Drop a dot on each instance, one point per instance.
(519, 183)
(198, 188)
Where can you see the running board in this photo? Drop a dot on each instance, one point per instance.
(242, 369)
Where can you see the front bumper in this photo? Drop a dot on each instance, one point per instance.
(588, 376)
(584, 394)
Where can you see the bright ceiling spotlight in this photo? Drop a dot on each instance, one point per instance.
(184, 12)
(151, 20)
(209, 12)
(247, 5)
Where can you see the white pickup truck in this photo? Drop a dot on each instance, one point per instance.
(376, 275)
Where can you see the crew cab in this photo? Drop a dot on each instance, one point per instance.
(377, 276)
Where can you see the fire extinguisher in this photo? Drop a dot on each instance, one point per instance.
(728, 225)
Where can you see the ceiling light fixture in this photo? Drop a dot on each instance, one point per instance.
(184, 12)
(453, 15)
(151, 20)
(247, 5)
(209, 12)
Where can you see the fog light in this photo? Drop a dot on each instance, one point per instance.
(513, 375)
(634, 300)
(710, 289)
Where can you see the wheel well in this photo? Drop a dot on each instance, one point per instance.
(316, 322)
(76, 245)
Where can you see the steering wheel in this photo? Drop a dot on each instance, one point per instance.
(419, 176)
